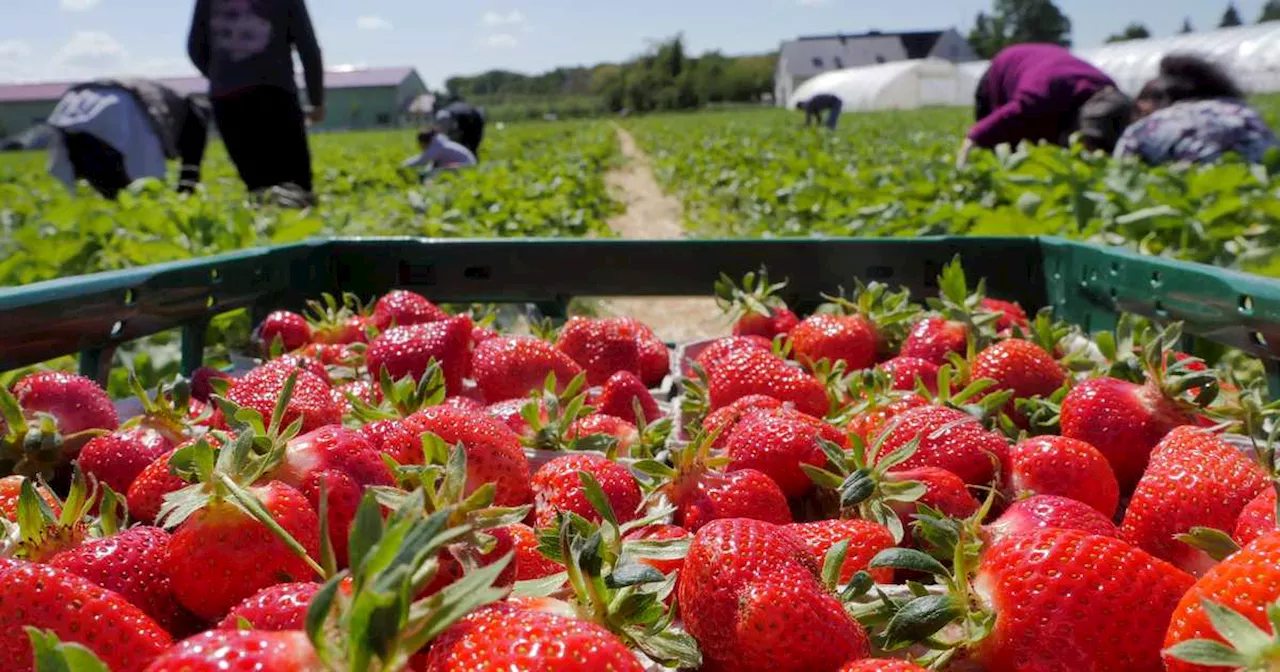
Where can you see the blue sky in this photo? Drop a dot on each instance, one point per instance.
(68, 39)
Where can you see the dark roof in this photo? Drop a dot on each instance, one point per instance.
(918, 43)
(334, 79)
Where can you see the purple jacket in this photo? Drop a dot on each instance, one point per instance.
(1034, 92)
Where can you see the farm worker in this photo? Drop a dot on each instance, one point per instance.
(822, 102)
(245, 49)
(462, 122)
(1194, 112)
(113, 132)
(441, 152)
(1040, 92)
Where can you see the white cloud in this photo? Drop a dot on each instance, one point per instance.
(79, 5)
(511, 18)
(91, 50)
(13, 50)
(500, 41)
(813, 3)
(373, 23)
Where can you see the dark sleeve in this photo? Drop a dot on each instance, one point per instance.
(192, 138)
(198, 39)
(303, 35)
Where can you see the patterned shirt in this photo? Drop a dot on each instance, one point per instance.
(1198, 131)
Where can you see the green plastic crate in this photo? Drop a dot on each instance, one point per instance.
(1086, 284)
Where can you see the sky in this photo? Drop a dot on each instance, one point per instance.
(55, 40)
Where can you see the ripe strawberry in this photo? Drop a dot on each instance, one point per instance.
(701, 497)
(906, 371)
(881, 665)
(470, 404)
(748, 372)
(1123, 420)
(749, 594)
(933, 338)
(403, 308)
(508, 637)
(510, 367)
(131, 564)
(1256, 518)
(1051, 512)
(77, 611)
(619, 395)
(312, 398)
(655, 359)
(147, 492)
(279, 607)
(776, 444)
(1247, 583)
(117, 458)
(602, 347)
(291, 328)
(457, 557)
(557, 487)
(866, 539)
(287, 363)
(1056, 465)
(659, 532)
(606, 425)
(1020, 366)
(407, 351)
(493, 452)
(839, 338)
(1195, 479)
(202, 382)
(1011, 314)
(45, 421)
(331, 354)
(391, 438)
(11, 489)
(220, 555)
(510, 413)
(530, 564)
(949, 439)
(220, 650)
(944, 491)
(1075, 590)
(76, 402)
(778, 322)
(723, 420)
(870, 419)
(717, 350)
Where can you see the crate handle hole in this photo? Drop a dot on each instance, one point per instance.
(130, 297)
(1156, 278)
(1258, 339)
(1246, 304)
(117, 329)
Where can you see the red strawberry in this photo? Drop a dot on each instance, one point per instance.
(1010, 314)
(508, 637)
(619, 397)
(147, 492)
(77, 611)
(291, 328)
(866, 539)
(602, 347)
(839, 338)
(749, 595)
(403, 308)
(701, 497)
(606, 425)
(470, 404)
(202, 382)
(723, 420)
(945, 492)
(1020, 366)
(220, 555)
(222, 650)
(717, 350)
(279, 607)
(117, 458)
(458, 557)
(407, 351)
(287, 363)
(42, 446)
(312, 398)
(331, 354)
(655, 359)
(390, 437)
(1056, 465)
(776, 445)
(868, 423)
(349, 330)
(659, 532)
(933, 338)
(363, 390)
(1075, 590)
(11, 489)
(557, 487)
(493, 452)
(510, 413)
(779, 322)
(881, 665)
(748, 372)
(340, 461)
(1256, 518)
(1247, 583)
(1195, 479)
(1051, 512)
(511, 367)
(530, 564)
(906, 371)
(131, 564)
(1123, 420)
(949, 439)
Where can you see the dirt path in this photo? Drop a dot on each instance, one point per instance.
(651, 215)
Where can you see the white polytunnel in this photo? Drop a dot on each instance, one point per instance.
(893, 86)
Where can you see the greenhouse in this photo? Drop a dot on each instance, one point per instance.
(895, 86)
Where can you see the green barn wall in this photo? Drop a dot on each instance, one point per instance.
(19, 116)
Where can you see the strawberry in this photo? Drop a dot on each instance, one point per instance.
(76, 610)
(749, 594)
(493, 452)
(906, 372)
(47, 420)
(776, 444)
(331, 354)
(11, 489)
(1020, 366)
(838, 338)
(311, 400)
(557, 486)
(1057, 465)
(511, 414)
(1195, 479)
(721, 421)
(949, 439)
(659, 532)
(602, 347)
(507, 637)
(403, 308)
(881, 665)
(530, 563)
(655, 358)
(933, 339)
(717, 350)
(75, 402)
(470, 404)
(202, 382)
(1248, 584)
(391, 438)
(279, 607)
(131, 564)
(866, 539)
(219, 650)
(408, 350)
(778, 322)
(1050, 512)
(290, 328)
(510, 367)
(337, 323)
(944, 491)
(620, 396)
(1011, 314)
(868, 419)
(1256, 518)
(147, 492)
(611, 426)
(454, 561)
(748, 372)
(289, 362)
(754, 306)
(117, 458)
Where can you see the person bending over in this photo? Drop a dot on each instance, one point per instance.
(464, 124)
(440, 152)
(823, 102)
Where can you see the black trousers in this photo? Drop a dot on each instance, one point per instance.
(266, 135)
(96, 162)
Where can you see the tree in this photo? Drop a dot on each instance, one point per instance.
(1017, 21)
(1231, 17)
(1133, 31)
(1270, 11)
(1187, 28)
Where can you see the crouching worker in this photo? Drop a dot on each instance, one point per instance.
(111, 133)
(823, 102)
(464, 124)
(440, 152)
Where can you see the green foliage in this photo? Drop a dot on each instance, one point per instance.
(1133, 31)
(1231, 17)
(1018, 21)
